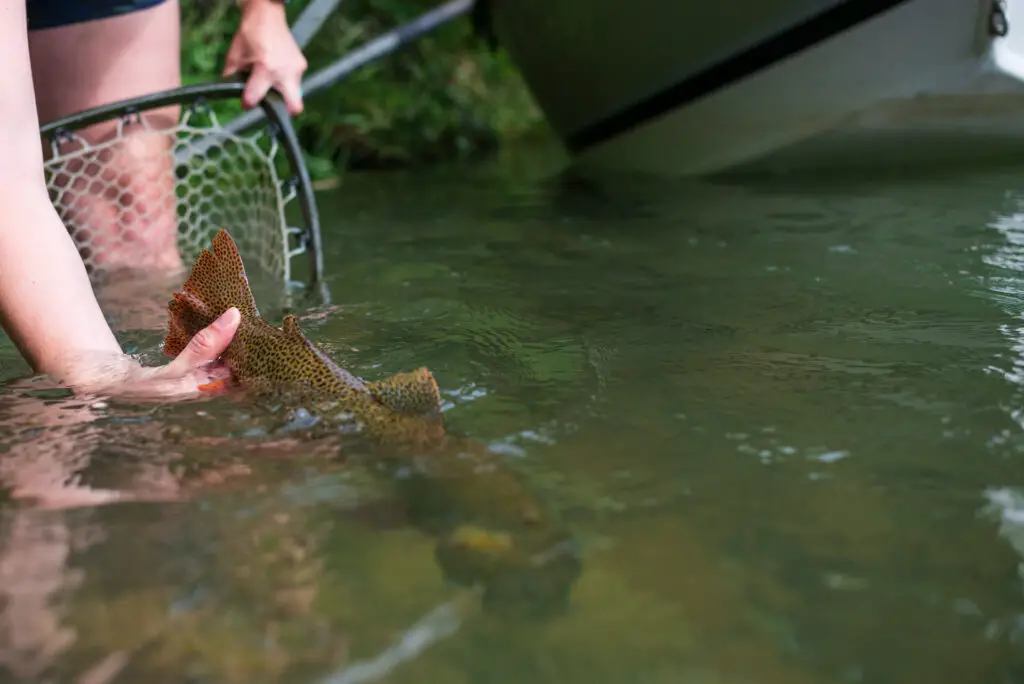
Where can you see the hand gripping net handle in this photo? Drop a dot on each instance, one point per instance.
(220, 176)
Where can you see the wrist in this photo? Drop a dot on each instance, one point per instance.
(97, 373)
(256, 5)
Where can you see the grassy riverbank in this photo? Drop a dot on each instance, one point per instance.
(443, 97)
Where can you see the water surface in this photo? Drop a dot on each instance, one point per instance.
(783, 421)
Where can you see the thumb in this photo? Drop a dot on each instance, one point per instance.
(233, 61)
(210, 342)
(256, 86)
(231, 65)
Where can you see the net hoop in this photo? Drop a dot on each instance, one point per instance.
(294, 183)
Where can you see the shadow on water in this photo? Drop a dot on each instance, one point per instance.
(781, 420)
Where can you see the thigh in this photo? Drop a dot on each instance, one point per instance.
(93, 62)
(118, 202)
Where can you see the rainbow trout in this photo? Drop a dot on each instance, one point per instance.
(491, 529)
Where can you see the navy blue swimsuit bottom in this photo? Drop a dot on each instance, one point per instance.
(43, 14)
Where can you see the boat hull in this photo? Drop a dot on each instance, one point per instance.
(795, 85)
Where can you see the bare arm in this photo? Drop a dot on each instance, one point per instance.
(47, 305)
(46, 299)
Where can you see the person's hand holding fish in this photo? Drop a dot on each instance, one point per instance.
(194, 372)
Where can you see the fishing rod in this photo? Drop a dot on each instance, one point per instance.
(384, 44)
(312, 20)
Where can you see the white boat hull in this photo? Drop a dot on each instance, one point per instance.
(682, 89)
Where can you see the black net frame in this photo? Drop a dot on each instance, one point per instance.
(251, 204)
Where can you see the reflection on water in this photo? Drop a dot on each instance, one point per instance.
(783, 422)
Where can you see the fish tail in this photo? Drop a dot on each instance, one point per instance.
(217, 283)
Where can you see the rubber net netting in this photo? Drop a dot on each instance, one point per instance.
(153, 193)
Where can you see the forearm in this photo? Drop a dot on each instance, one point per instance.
(47, 305)
(273, 8)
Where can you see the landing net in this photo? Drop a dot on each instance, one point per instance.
(144, 185)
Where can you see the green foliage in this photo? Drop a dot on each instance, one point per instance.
(444, 96)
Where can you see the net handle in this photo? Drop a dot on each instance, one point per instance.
(222, 89)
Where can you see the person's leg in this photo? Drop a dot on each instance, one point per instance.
(125, 208)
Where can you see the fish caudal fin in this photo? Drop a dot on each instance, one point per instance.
(412, 392)
(217, 283)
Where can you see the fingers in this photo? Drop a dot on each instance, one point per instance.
(291, 92)
(234, 61)
(257, 86)
(209, 343)
(287, 81)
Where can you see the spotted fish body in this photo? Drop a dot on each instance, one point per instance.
(265, 360)
(491, 528)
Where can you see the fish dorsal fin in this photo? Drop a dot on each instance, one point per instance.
(290, 325)
(218, 278)
(412, 392)
(217, 283)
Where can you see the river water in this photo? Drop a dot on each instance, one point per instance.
(783, 421)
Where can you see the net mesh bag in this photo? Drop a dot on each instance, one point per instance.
(145, 186)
